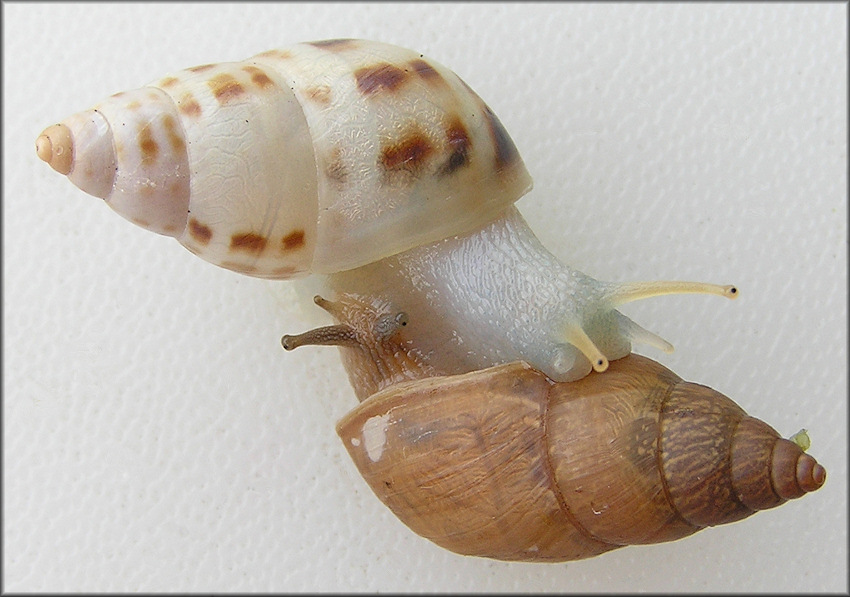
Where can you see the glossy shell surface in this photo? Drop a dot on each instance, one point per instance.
(316, 158)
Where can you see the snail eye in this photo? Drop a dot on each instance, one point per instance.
(387, 325)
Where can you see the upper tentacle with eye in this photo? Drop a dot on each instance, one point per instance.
(375, 350)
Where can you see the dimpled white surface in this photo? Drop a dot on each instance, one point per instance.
(157, 438)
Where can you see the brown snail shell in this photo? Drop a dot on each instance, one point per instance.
(506, 463)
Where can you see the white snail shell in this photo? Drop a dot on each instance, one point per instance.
(318, 158)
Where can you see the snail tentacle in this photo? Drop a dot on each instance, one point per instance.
(640, 335)
(617, 294)
(331, 335)
(578, 337)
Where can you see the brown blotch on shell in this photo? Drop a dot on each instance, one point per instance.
(506, 151)
(337, 172)
(242, 268)
(249, 242)
(333, 44)
(259, 77)
(293, 240)
(147, 145)
(283, 272)
(427, 72)
(201, 68)
(169, 82)
(134, 105)
(173, 134)
(409, 153)
(178, 187)
(459, 145)
(335, 168)
(379, 77)
(200, 232)
(321, 94)
(225, 88)
(189, 105)
(279, 54)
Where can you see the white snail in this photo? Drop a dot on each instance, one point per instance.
(363, 158)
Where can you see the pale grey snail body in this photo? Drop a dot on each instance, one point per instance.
(386, 175)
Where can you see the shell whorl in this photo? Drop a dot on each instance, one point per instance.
(317, 158)
(505, 464)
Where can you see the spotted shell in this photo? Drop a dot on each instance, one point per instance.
(318, 158)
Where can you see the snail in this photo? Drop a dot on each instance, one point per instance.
(385, 179)
(505, 463)
(348, 155)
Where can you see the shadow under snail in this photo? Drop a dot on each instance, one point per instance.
(501, 411)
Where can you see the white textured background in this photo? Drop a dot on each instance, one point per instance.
(156, 437)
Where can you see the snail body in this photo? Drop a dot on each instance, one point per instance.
(496, 295)
(382, 178)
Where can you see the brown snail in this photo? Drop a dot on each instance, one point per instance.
(382, 173)
(506, 463)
